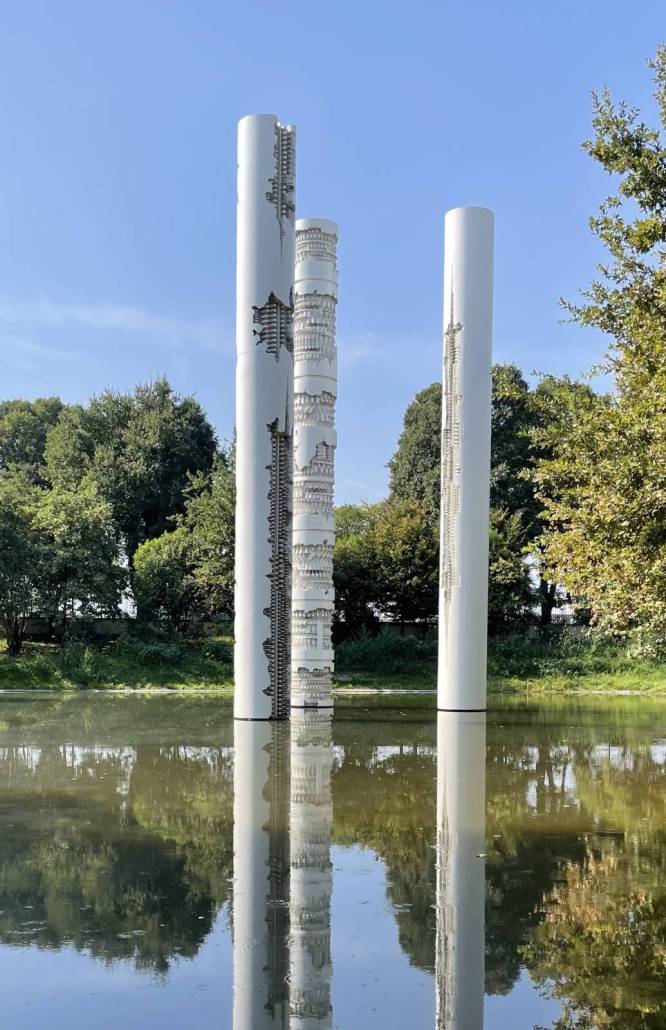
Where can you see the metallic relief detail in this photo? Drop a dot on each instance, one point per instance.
(312, 498)
(314, 326)
(314, 409)
(312, 567)
(321, 464)
(275, 319)
(311, 631)
(313, 244)
(450, 460)
(276, 792)
(281, 193)
(278, 646)
(311, 686)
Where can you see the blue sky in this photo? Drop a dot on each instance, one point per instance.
(117, 183)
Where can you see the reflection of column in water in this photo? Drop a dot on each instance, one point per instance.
(311, 871)
(261, 875)
(461, 825)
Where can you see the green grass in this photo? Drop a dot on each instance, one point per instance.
(134, 665)
(556, 663)
(559, 663)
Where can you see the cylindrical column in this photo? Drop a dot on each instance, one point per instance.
(461, 827)
(315, 391)
(465, 497)
(311, 879)
(264, 416)
(261, 877)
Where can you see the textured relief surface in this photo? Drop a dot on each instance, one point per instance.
(450, 461)
(321, 464)
(314, 409)
(312, 567)
(311, 687)
(315, 389)
(311, 630)
(315, 244)
(312, 498)
(311, 871)
(281, 193)
(275, 321)
(314, 327)
(277, 646)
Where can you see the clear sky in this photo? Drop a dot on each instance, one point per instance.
(117, 183)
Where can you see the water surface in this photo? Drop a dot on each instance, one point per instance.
(161, 867)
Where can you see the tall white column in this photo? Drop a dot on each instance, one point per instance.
(460, 901)
(264, 416)
(315, 391)
(311, 880)
(465, 497)
(261, 876)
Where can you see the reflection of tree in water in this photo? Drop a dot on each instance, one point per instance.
(96, 850)
(576, 873)
(385, 800)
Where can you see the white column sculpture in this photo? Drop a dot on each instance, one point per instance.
(460, 901)
(261, 876)
(264, 416)
(311, 879)
(315, 390)
(465, 466)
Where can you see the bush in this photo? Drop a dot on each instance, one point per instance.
(387, 653)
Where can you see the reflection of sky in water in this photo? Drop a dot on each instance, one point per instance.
(116, 863)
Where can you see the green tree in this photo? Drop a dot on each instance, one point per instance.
(406, 547)
(604, 485)
(24, 426)
(415, 467)
(210, 511)
(165, 589)
(141, 449)
(23, 553)
(82, 572)
(510, 591)
(354, 570)
(516, 414)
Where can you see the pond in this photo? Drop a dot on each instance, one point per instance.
(163, 867)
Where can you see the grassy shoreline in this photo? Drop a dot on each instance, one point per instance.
(515, 666)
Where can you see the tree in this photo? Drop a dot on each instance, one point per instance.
(415, 467)
(604, 485)
(164, 586)
(354, 570)
(510, 592)
(82, 570)
(22, 555)
(406, 547)
(210, 510)
(516, 414)
(24, 426)
(141, 449)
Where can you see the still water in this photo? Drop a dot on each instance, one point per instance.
(161, 867)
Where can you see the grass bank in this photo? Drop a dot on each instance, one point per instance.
(558, 664)
(133, 665)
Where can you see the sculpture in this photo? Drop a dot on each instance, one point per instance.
(465, 459)
(264, 416)
(315, 390)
